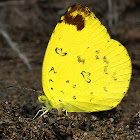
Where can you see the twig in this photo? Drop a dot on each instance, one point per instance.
(110, 10)
(113, 16)
(16, 2)
(19, 13)
(116, 16)
(15, 48)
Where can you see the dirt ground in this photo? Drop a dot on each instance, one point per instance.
(28, 24)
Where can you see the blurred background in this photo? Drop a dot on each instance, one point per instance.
(25, 29)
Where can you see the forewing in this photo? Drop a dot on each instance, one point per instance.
(81, 59)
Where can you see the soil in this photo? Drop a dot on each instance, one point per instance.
(29, 25)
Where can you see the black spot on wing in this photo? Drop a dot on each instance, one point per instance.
(74, 97)
(80, 60)
(62, 92)
(105, 89)
(74, 86)
(52, 70)
(105, 60)
(60, 52)
(91, 93)
(67, 81)
(97, 51)
(91, 99)
(105, 69)
(86, 76)
(114, 76)
(97, 54)
(50, 80)
(96, 57)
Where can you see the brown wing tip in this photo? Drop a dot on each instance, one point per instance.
(75, 15)
(80, 8)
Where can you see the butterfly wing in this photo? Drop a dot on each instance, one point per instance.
(83, 69)
(107, 82)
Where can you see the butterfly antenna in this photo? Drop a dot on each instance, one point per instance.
(33, 90)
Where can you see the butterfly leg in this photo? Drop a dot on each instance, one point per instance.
(61, 111)
(66, 113)
(44, 113)
(44, 110)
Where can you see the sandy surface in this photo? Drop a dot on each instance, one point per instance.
(29, 25)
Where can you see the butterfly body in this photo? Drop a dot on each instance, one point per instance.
(84, 70)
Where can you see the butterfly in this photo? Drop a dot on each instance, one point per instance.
(84, 70)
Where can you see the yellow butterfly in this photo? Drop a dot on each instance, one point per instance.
(84, 70)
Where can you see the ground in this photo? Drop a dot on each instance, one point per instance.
(28, 26)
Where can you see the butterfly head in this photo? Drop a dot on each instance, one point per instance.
(49, 105)
(44, 99)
